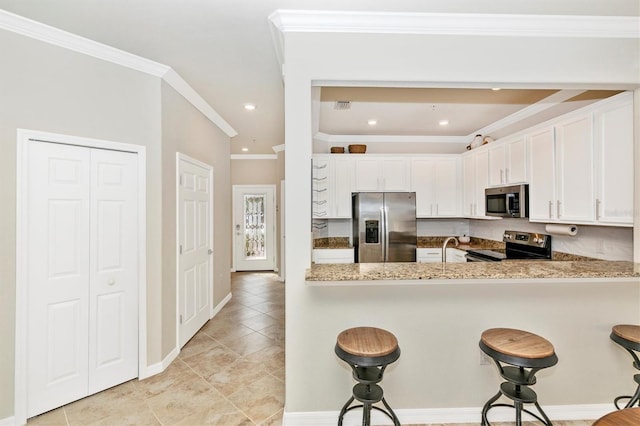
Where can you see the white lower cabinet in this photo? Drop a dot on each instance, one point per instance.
(434, 255)
(333, 255)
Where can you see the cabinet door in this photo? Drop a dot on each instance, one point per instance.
(516, 161)
(614, 203)
(447, 187)
(367, 174)
(469, 192)
(542, 188)
(422, 184)
(341, 188)
(496, 165)
(482, 182)
(396, 174)
(574, 150)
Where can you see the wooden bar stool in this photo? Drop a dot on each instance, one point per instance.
(519, 355)
(368, 351)
(626, 417)
(628, 336)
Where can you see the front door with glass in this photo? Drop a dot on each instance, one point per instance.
(254, 227)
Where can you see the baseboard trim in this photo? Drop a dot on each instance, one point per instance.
(221, 305)
(159, 367)
(444, 415)
(9, 421)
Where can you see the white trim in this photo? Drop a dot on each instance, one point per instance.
(23, 136)
(444, 415)
(221, 305)
(8, 421)
(254, 157)
(159, 367)
(324, 137)
(174, 80)
(48, 34)
(476, 24)
(278, 148)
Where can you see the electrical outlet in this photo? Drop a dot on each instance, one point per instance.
(484, 358)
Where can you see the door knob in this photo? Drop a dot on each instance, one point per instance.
(210, 251)
(111, 282)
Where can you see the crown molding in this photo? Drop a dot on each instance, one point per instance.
(57, 37)
(503, 25)
(181, 86)
(253, 156)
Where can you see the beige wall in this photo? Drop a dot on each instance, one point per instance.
(186, 130)
(50, 89)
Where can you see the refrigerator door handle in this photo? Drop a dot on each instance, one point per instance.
(385, 232)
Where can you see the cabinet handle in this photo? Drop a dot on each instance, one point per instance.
(501, 176)
(436, 209)
(558, 209)
(506, 175)
(597, 209)
(550, 208)
(471, 209)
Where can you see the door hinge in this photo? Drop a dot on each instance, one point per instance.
(180, 248)
(180, 180)
(180, 318)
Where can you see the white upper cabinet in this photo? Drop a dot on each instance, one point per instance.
(574, 165)
(331, 187)
(542, 189)
(475, 172)
(614, 154)
(562, 174)
(508, 161)
(436, 182)
(381, 174)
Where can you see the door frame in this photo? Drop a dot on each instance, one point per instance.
(182, 157)
(272, 212)
(21, 318)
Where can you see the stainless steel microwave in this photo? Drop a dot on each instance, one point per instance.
(507, 201)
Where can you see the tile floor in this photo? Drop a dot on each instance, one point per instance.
(231, 373)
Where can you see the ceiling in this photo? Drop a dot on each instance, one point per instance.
(224, 50)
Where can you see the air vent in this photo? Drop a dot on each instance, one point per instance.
(339, 105)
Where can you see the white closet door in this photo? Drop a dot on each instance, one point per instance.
(82, 273)
(113, 309)
(58, 275)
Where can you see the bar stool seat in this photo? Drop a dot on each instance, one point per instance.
(628, 336)
(626, 417)
(368, 351)
(519, 355)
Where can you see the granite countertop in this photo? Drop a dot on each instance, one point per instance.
(473, 270)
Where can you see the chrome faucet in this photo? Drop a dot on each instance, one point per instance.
(444, 247)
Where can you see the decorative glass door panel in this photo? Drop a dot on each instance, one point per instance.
(254, 227)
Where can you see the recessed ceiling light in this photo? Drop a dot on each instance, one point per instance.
(245, 149)
(249, 107)
(372, 122)
(495, 89)
(443, 122)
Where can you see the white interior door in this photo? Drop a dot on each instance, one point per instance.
(82, 325)
(254, 227)
(195, 242)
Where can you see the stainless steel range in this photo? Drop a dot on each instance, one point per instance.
(519, 245)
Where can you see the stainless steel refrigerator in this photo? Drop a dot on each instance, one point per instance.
(384, 227)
